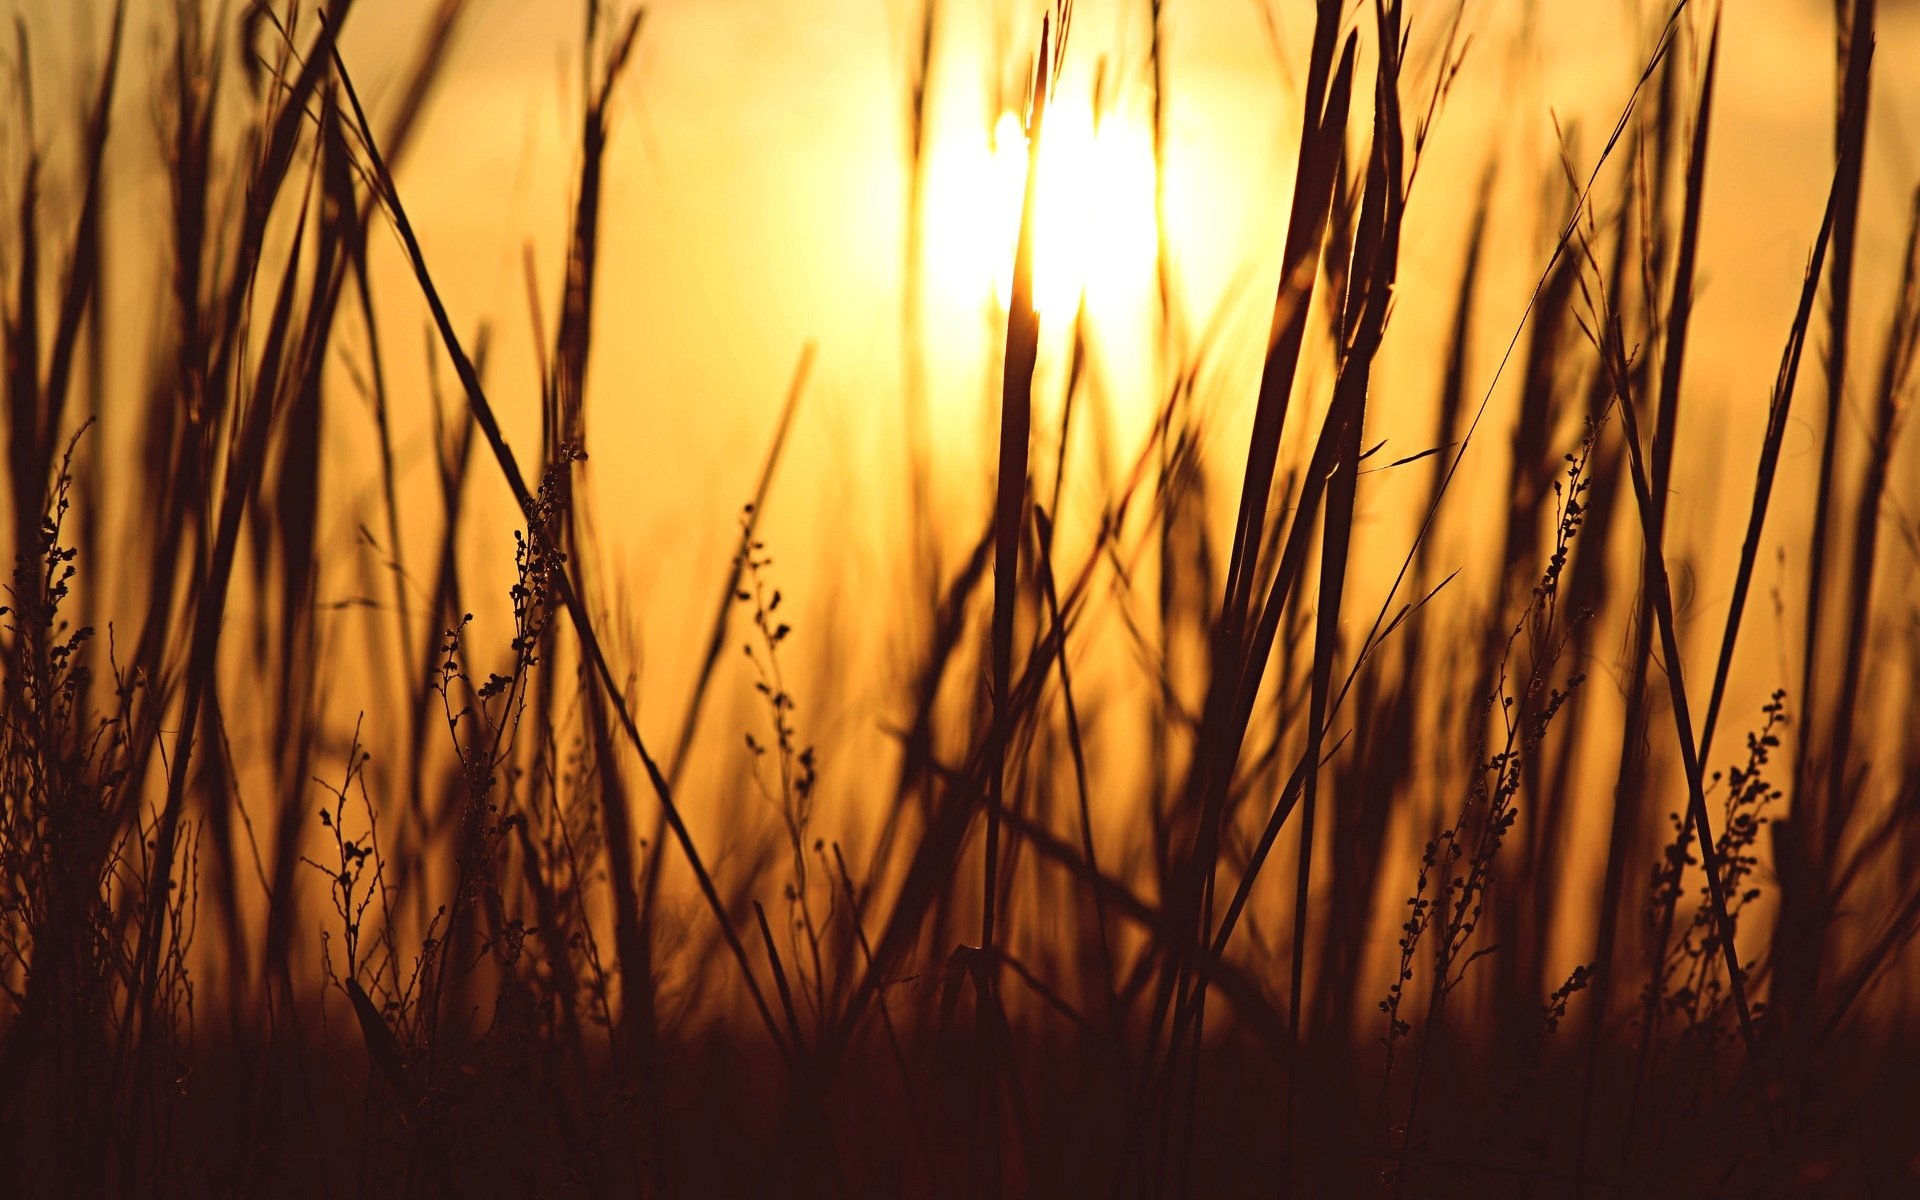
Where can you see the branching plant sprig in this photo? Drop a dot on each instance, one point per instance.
(1456, 869)
(356, 860)
(62, 776)
(496, 706)
(1690, 982)
(492, 711)
(794, 768)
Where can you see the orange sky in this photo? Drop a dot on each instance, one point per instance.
(753, 204)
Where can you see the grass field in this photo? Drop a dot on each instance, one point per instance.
(1457, 744)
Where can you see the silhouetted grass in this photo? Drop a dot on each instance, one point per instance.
(1188, 873)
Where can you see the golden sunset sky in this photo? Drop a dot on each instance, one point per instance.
(754, 204)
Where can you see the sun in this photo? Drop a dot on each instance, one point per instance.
(1095, 236)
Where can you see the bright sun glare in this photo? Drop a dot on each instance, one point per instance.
(1095, 223)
